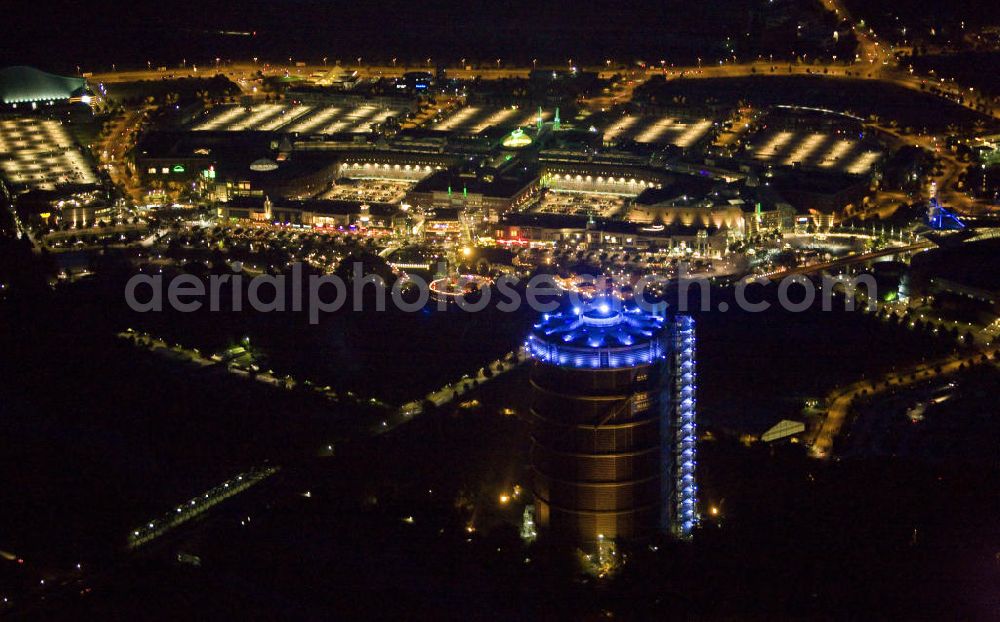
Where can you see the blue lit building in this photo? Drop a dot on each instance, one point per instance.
(942, 219)
(613, 423)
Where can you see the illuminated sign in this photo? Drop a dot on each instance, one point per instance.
(178, 168)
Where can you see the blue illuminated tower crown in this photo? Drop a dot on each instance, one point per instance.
(601, 335)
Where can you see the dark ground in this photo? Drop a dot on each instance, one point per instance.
(858, 97)
(104, 32)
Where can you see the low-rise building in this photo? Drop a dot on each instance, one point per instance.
(314, 213)
(541, 229)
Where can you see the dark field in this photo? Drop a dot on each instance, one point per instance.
(858, 97)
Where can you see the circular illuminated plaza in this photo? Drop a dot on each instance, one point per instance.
(453, 287)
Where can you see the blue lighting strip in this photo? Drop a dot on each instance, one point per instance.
(685, 486)
(643, 354)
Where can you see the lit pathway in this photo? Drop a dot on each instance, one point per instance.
(840, 400)
(196, 506)
(454, 390)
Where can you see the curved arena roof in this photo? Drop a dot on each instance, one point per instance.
(27, 84)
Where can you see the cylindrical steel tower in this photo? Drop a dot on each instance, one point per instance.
(605, 430)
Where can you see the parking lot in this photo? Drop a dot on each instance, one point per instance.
(303, 119)
(831, 151)
(476, 119)
(657, 130)
(39, 153)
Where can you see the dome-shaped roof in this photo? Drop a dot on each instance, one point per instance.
(517, 139)
(27, 84)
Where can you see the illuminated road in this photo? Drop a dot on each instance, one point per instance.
(243, 73)
(869, 47)
(246, 71)
(454, 390)
(841, 399)
(22, 230)
(400, 415)
(198, 505)
(851, 259)
(840, 71)
(952, 169)
(121, 137)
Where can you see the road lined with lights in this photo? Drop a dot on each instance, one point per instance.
(883, 71)
(845, 261)
(868, 43)
(842, 399)
(450, 391)
(194, 507)
(121, 136)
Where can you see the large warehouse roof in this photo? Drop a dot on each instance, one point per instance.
(27, 84)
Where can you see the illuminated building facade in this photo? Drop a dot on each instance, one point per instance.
(613, 424)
